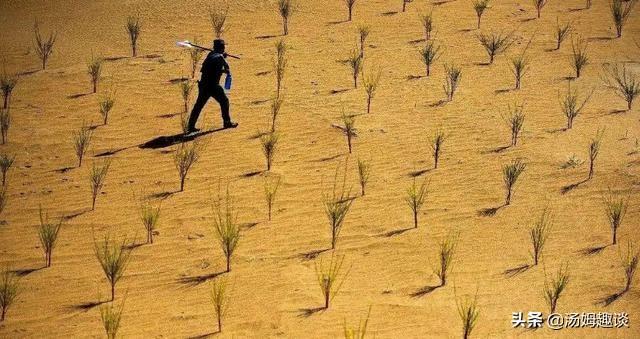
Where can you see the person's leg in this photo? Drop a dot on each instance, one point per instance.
(203, 96)
(221, 98)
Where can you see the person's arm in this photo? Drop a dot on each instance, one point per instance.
(225, 67)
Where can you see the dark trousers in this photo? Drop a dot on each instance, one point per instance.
(204, 93)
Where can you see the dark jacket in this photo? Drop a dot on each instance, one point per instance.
(212, 69)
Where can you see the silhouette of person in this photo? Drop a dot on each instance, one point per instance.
(212, 69)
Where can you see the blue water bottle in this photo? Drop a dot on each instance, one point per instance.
(227, 83)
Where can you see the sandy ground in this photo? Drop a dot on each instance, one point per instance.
(273, 282)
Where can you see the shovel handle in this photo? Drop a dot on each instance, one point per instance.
(209, 49)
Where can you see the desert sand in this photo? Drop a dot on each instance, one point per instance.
(273, 281)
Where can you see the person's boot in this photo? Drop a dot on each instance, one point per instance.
(230, 124)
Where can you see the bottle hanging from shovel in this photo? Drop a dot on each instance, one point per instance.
(227, 83)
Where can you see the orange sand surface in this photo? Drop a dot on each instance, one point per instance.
(273, 287)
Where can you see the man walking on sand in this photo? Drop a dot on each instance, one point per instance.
(212, 69)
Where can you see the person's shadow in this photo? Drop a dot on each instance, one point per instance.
(170, 140)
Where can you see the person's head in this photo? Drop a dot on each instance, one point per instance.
(218, 46)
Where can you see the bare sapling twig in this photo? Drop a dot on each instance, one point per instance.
(495, 43)
(579, 57)
(519, 68)
(539, 234)
(6, 161)
(452, 80)
(480, 6)
(106, 105)
(330, 278)
(415, 198)
(620, 11)
(276, 104)
(269, 143)
(510, 174)
(195, 54)
(350, 4)
(370, 82)
(561, 32)
(429, 54)
(359, 332)
(594, 150)
(426, 20)
(43, 47)
(271, 185)
(437, 142)
(3, 198)
(220, 299)
(111, 315)
(469, 313)
(81, 139)
(7, 84)
(96, 178)
(572, 106)
(149, 215)
(539, 5)
(286, 9)
(280, 64)
(445, 258)
(623, 82)
(364, 171)
(186, 87)
(355, 62)
(184, 158)
(8, 291)
(184, 122)
(520, 64)
(515, 122)
(218, 14)
(629, 260)
(337, 204)
(554, 287)
(615, 208)
(363, 32)
(5, 123)
(572, 162)
(94, 69)
(404, 5)
(133, 28)
(349, 128)
(113, 257)
(48, 236)
(225, 224)
(587, 4)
